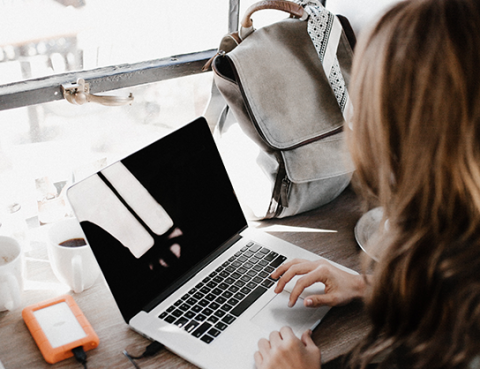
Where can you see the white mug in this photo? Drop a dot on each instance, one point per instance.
(74, 266)
(11, 273)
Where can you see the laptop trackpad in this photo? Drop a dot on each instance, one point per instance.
(277, 314)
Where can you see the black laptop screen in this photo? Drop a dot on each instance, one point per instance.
(158, 213)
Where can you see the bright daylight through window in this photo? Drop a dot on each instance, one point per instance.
(45, 147)
(152, 49)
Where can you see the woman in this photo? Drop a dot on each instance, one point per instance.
(416, 146)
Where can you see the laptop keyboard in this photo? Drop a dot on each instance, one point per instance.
(217, 301)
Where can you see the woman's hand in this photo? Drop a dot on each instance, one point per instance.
(340, 287)
(285, 351)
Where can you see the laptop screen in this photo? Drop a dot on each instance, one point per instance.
(156, 214)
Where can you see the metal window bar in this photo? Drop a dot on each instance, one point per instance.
(46, 89)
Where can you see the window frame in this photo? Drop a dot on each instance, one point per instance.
(46, 89)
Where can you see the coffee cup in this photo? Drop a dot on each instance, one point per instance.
(11, 273)
(70, 256)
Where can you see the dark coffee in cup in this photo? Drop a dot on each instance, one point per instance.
(74, 242)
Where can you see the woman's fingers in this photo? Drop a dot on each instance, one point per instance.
(290, 270)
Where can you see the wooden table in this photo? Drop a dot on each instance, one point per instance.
(327, 231)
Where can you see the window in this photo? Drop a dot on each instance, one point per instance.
(152, 49)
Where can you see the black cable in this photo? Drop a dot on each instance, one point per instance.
(80, 355)
(151, 350)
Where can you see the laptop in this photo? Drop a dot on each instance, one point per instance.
(184, 267)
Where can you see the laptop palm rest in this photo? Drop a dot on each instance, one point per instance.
(277, 314)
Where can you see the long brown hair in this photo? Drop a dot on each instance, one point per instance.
(416, 146)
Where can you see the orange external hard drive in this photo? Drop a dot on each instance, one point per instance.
(58, 326)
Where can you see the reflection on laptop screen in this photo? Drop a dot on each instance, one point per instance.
(156, 214)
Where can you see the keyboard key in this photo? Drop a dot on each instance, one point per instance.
(202, 329)
(221, 300)
(214, 306)
(213, 319)
(264, 250)
(257, 280)
(211, 284)
(220, 313)
(263, 263)
(206, 338)
(170, 319)
(249, 300)
(190, 314)
(239, 296)
(233, 289)
(255, 247)
(245, 278)
(197, 308)
(214, 332)
(210, 297)
(177, 313)
(227, 294)
(205, 290)
(191, 326)
(271, 256)
(239, 284)
(278, 261)
(269, 269)
(226, 307)
(221, 326)
(163, 315)
(207, 311)
(228, 319)
(200, 317)
(181, 322)
(267, 283)
(204, 302)
(217, 279)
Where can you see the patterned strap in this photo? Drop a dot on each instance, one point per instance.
(325, 31)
